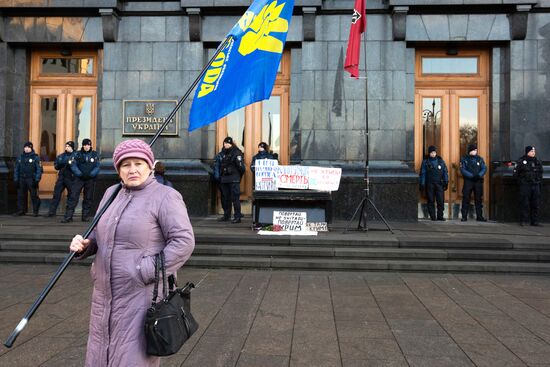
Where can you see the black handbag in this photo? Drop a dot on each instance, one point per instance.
(169, 323)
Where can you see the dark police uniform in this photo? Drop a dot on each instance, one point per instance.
(216, 172)
(473, 169)
(231, 169)
(434, 178)
(86, 168)
(529, 174)
(65, 180)
(28, 173)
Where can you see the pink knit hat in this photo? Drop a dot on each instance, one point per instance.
(133, 148)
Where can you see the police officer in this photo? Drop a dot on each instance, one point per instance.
(529, 174)
(216, 172)
(28, 173)
(473, 168)
(85, 167)
(65, 177)
(231, 169)
(434, 180)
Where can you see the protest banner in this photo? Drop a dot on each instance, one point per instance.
(292, 177)
(324, 178)
(264, 175)
(289, 220)
(317, 226)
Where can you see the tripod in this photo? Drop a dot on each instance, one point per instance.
(366, 197)
(362, 223)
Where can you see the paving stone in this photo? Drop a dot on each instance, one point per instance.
(531, 350)
(502, 327)
(365, 349)
(439, 361)
(226, 352)
(37, 351)
(416, 327)
(309, 354)
(268, 342)
(489, 355)
(363, 329)
(254, 360)
(429, 346)
(374, 363)
(468, 333)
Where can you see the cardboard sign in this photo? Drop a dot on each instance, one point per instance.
(292, 177)
(317, 226)
(324, 178)
(290, 221)
(264, 174)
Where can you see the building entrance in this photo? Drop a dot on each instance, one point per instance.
(63, 106)
(266, 121)
(451, 112)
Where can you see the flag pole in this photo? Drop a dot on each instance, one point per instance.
(362, 207)
(23, 323)
(367, 176)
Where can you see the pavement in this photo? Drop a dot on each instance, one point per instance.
(251, 318)
(265, 318)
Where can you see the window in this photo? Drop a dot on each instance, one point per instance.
(449, 65)
(58, 65)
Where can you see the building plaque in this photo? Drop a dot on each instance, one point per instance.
(146, 117)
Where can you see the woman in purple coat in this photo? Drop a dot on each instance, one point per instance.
(144, 219)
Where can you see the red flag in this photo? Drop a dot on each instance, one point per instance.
(358, 25)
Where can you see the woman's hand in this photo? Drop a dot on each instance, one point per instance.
(79, 244)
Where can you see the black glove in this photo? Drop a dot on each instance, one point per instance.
(16, 183)
(35, 184)
(475, 178)
(445, 186)
(422, 188)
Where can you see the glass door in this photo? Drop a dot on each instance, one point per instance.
(469, 116)
(59, 115)
(265, 121)
(451, 119)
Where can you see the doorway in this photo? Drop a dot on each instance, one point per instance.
(451, 111)
(266, 121)
(62, 106)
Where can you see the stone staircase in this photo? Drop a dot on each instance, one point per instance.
(378, 251)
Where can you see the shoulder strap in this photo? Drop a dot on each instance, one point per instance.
(156, 288)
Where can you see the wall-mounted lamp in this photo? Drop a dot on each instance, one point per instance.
(451, 51)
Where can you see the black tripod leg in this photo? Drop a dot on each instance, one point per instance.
(380, 214)
(360, 206)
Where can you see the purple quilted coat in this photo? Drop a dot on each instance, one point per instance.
(139, 223)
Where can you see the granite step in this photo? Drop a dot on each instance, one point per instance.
(318, 251)
(260, 262)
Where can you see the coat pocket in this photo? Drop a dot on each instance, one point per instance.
(146, 269)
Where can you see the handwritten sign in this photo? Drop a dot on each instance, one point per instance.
(264, 174)
(292, 177)
(317, 226)
(290, 221)
(324, 178)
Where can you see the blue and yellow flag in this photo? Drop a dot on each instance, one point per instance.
(245, 69)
